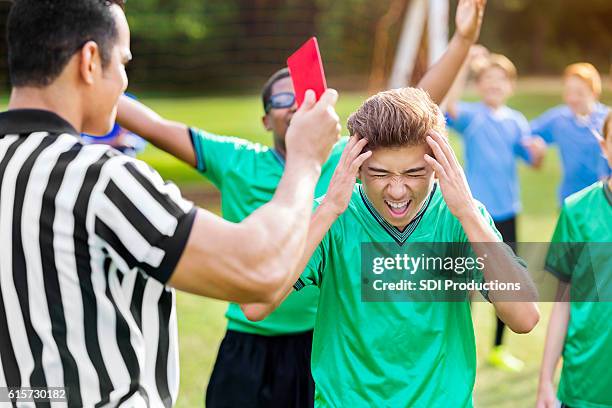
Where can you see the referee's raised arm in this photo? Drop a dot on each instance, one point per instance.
(253, 259)
(76, 220)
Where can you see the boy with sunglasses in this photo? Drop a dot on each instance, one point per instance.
(267, 363)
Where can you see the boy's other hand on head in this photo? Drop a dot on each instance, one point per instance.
(451, 177)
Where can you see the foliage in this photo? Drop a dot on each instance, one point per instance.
(234, 45)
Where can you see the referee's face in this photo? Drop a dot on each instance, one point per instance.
(397, 180)
(111, 83)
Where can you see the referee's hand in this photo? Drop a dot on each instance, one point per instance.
(314, 129)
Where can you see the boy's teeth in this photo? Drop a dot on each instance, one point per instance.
(397, 205)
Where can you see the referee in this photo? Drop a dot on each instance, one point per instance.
(84, 229)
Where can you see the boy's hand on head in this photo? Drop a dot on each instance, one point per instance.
(315, 128)
(451, 177)
(468, 19)
(345, 176)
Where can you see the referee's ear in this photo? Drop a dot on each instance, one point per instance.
(89, 61)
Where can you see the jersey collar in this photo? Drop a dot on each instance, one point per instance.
(26, 121)
(398, 236)
(592, 119)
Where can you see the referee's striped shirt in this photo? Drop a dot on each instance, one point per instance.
(88, 237)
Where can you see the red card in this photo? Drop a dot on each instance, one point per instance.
(306, 68)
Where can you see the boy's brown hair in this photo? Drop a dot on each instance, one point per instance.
(395, 118)
(588, 73)
(495, 61)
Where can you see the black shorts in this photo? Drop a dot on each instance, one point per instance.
(507, 229)
(254, 371)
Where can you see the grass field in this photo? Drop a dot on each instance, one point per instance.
(201, 321)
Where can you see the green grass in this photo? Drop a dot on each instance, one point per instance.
(201, 321)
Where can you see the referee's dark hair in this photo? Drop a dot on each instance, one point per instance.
(43, 35)
(266, 92)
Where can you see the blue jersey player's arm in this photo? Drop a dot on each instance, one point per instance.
(531, 148)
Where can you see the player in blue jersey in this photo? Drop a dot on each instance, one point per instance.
(494, 137)
(575, 128)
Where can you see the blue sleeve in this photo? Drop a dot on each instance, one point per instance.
(543, 125)
(524, 133)
(466, 112)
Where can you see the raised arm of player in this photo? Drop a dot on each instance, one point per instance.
(172, 137)
(555, 338)
(521, 315)
(254, 260)
(441, 76)
(333, 205)
(477, 53)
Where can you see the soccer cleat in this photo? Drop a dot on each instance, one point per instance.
(502, 359)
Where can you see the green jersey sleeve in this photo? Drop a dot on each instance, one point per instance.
(214, 154)
(562, 253)
(313, 273)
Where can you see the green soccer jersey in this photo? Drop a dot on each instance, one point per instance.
(580, 254)
(387, 354)
(247, 175)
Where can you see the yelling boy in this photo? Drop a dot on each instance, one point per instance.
(396, 354)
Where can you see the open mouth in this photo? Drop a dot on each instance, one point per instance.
(398, 209)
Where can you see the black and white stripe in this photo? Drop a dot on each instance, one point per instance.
(153, 308)
(88, 239)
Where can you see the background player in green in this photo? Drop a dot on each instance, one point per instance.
(399, 354)
(267, 363)
(581, 330)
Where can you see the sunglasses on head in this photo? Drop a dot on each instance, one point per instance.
(281, 100)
